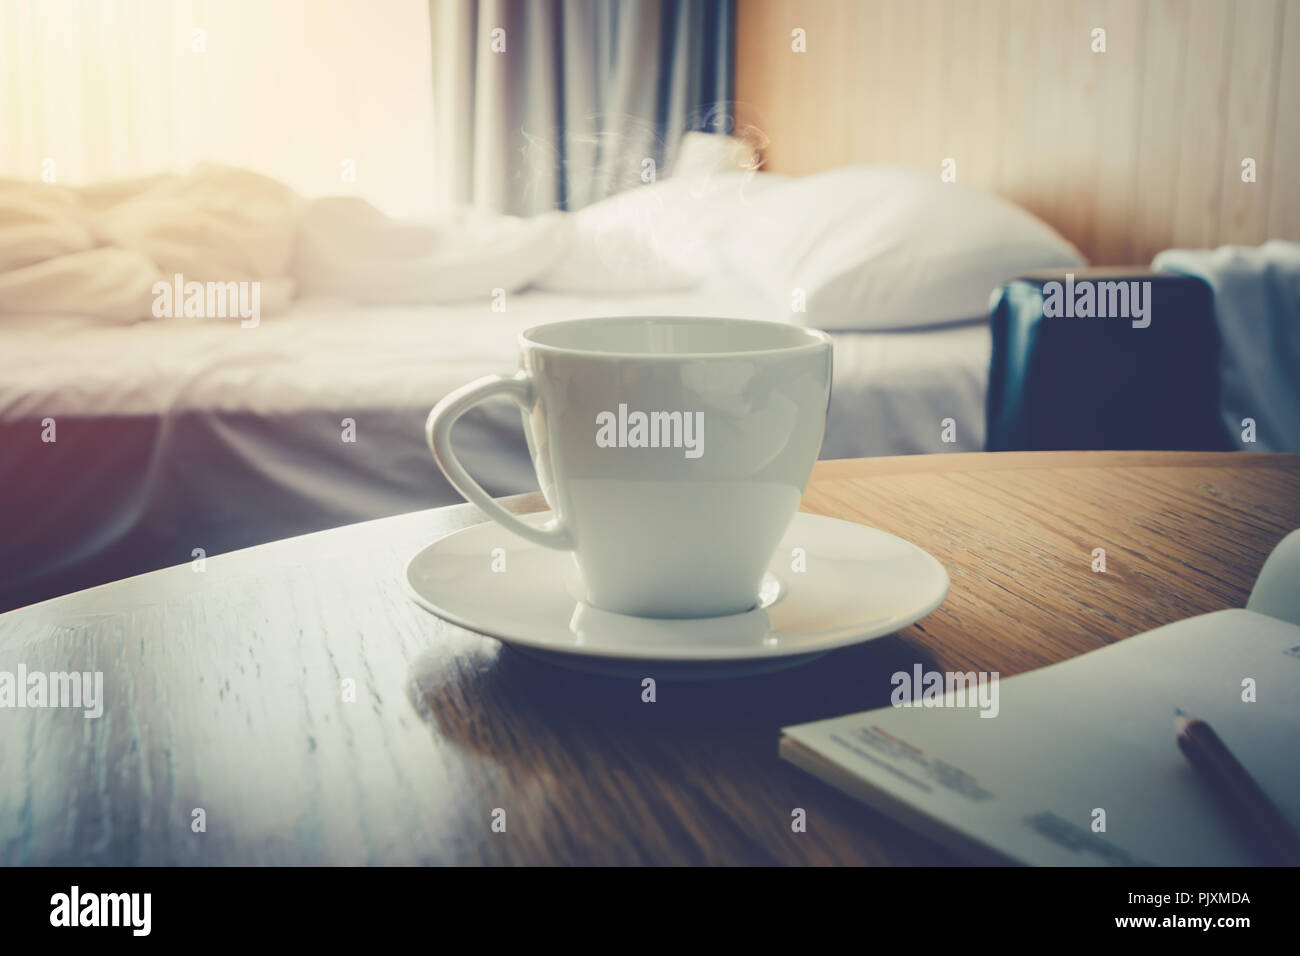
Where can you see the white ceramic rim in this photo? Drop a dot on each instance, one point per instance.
(813, 339)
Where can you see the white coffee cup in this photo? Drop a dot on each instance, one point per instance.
(673, 452)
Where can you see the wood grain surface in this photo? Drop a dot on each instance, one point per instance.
(222, 688)
(1126, 152)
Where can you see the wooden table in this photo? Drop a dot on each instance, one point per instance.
(223, 687)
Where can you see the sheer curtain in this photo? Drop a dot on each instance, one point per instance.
(331, 96)
(556, 103)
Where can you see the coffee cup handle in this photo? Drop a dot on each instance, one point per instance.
(437, 432)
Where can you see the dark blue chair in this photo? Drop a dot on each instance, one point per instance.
(1099, 383)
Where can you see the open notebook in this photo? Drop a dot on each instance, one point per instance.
(1091, 733)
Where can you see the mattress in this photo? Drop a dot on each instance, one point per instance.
(181, 438)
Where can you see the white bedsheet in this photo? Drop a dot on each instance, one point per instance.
(183, 434)
(891, 389)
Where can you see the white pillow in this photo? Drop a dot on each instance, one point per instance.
(878, 247)
(658, 237)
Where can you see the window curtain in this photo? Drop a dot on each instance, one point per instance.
(553, 104)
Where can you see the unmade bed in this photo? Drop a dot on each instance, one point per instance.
(134, 447)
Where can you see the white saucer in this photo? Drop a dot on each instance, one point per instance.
(859, 583)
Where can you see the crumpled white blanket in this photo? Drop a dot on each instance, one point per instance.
(1257, 309)
(100, 250)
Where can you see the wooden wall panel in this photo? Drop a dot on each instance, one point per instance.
(1014, 138)
(1126, 152)
(1113, 197)
(1283, 181)
(970, 71)
(1159, 147)
(1195, 221)
(1251, 97)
